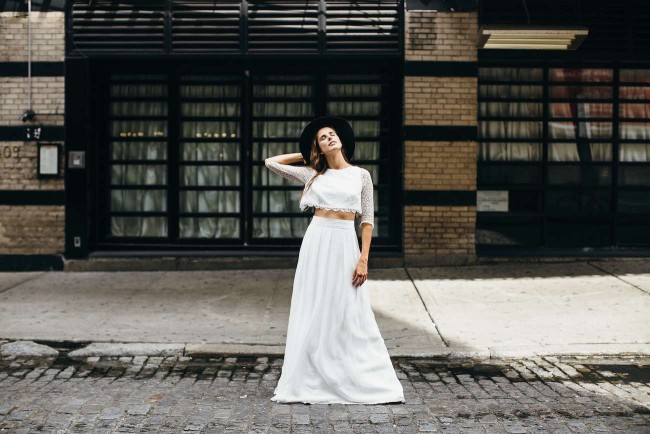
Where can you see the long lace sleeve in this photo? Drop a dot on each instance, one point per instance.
(301, 174)
(367, 201)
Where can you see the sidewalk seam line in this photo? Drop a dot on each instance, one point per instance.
(618, 277)
(20, 283)
(417, 290)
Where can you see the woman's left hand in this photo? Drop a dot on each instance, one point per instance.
(360, 273)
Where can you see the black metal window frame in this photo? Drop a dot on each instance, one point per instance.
(538, 219)
(388, 214)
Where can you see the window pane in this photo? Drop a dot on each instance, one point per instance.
(571, 152)
(634, 202)
(580, 92)
(510, 152)
(129, 150)
(513, 91)
(138, 226)
(138, 200)
(635, 130)
(634, 92)
(138, 174)
(510, 129)
(511, 74)
(210, 151)
(510, 109)
(209, 201)
(515, 175)
(208, 227)
(634, 152)
(635, 111)
(525, 232)
(280, 227)
(634, 175)
(581, 74)
(209, 175)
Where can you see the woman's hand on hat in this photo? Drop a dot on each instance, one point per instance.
(360, 273)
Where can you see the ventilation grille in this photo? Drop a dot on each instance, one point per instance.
(205, 25)
(229, 26)
(620, 26)
(101, 26)
(374, 25)
(283, 25)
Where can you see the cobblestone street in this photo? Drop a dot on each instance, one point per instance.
(231, 394)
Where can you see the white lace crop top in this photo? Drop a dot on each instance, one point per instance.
(348, 189)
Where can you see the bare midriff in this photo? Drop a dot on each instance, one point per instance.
(331, 214)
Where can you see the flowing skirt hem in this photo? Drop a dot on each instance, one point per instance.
(399, 399)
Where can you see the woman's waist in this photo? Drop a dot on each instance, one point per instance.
(341, 214)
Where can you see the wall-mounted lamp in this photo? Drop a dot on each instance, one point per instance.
(525, 37)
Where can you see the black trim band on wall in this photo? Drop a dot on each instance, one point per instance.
(32, 197)
(39, 69)
(30, 262)
(440, 69)
(442, 5)
(439, 133)
(440, 197)
(19, 133)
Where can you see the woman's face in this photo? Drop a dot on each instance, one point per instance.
(328, 141)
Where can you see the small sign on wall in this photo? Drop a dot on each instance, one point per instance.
(48, 160)
(492, 200)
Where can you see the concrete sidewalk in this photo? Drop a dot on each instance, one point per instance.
(474, 312)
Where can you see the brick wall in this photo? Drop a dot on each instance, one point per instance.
(440, 233)
(440, 100)
(18, 168)
(30, 229)
(48, 41)
(440, 165)
(432, 35)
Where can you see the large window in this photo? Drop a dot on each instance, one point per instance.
(182, 158)
(280, 106)
(570, 147)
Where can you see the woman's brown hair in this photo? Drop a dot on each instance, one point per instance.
(317, 160)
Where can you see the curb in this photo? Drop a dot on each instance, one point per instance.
(77, 350)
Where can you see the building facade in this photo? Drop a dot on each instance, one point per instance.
(150, 122)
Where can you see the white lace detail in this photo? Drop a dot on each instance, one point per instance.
(337, 190)
(367, 199)
(301, 174)
(305, 205)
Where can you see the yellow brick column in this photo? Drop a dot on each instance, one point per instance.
(32, 211)
(440, 119)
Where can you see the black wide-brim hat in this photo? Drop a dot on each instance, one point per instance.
(341, 126)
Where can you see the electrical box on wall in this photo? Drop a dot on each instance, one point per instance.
(76, 159)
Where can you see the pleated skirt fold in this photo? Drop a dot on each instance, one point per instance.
(334, 350)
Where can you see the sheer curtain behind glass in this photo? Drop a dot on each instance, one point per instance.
(358, 99)
(521, 139)
(138, 131)
(282, 106)
(210, 109)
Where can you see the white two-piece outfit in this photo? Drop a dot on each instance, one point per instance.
(334, 352)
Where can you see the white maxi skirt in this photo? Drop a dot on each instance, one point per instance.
(334, 351)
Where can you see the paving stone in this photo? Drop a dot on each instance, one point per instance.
(111, 394)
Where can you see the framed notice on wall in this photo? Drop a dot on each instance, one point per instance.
(492, 200)
(48, 160)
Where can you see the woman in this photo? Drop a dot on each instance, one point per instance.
(334, 350)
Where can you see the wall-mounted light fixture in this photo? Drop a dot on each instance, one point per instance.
(526, 37)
